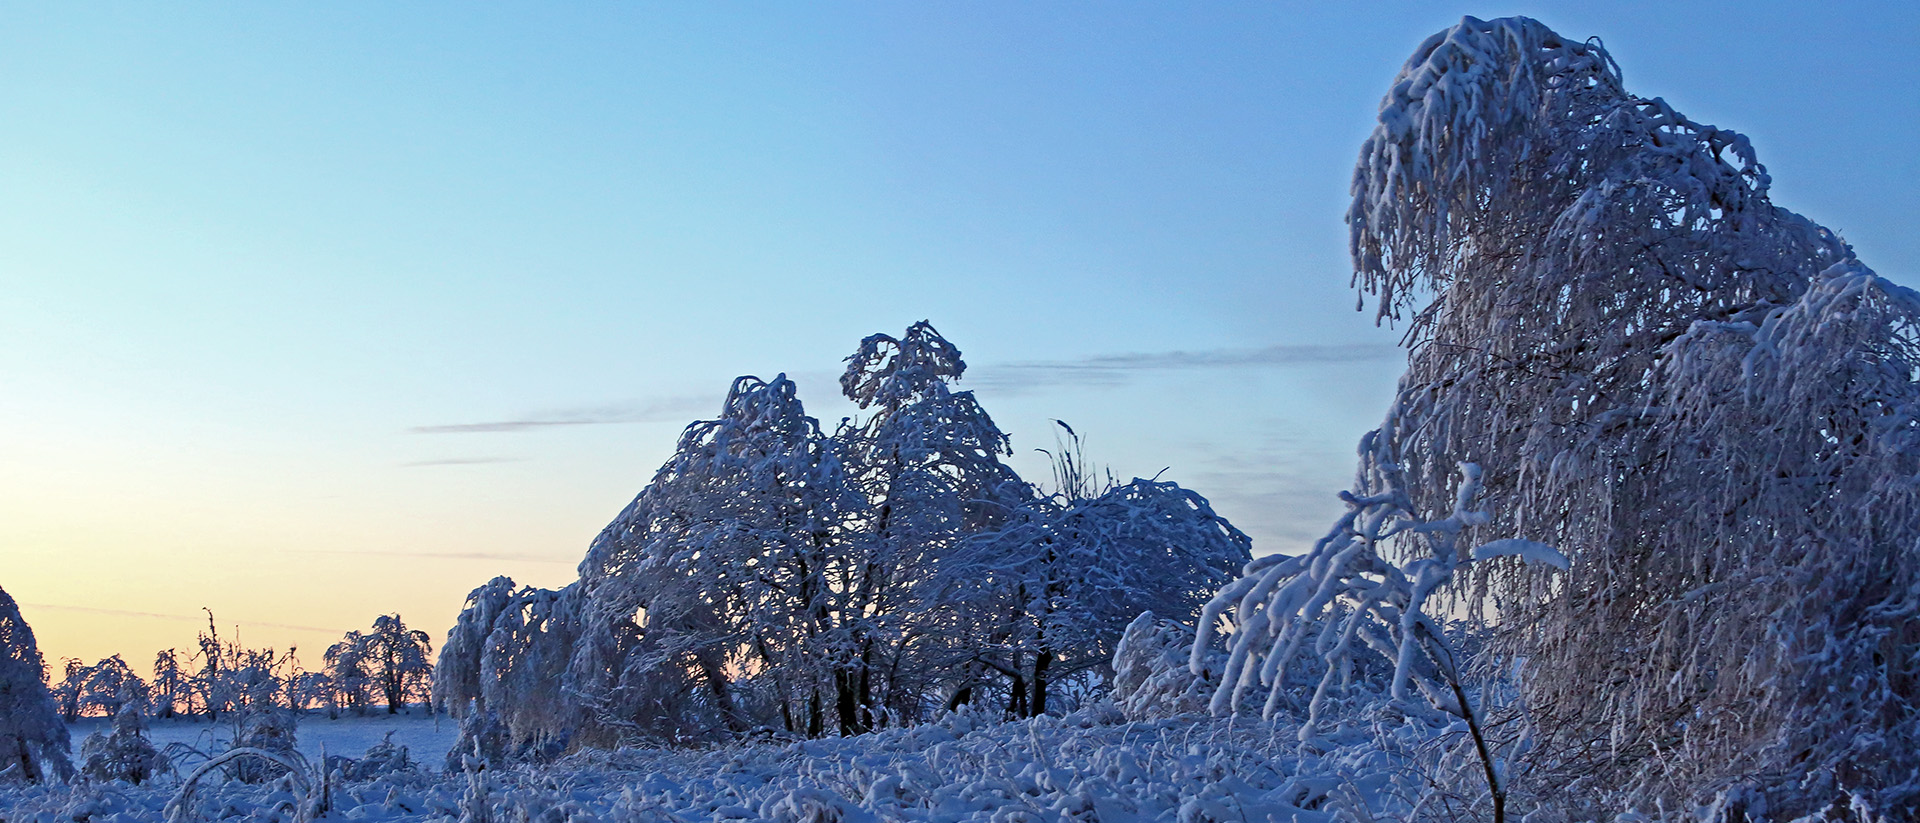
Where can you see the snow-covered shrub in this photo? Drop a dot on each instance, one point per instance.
(125, 754)
(1055, 589)
(722, 571)
(1152, 677)
(482, 737)
(33, 741)
(382, 758)
(264, 727)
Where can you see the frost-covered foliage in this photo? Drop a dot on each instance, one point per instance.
(264, 727)
(1702, 399)
(33, 741)
(1306, 628)
(773, 579)
(125, 754)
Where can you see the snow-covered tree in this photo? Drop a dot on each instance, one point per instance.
(33, 741)
(349, 670)
(1700, 398)
(457, 674)
(928, 461)
(398, 661)
(503, 668)
(233, 677)
(727, 567)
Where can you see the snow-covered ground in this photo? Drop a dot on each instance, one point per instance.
(426, 738)
(1091, 767)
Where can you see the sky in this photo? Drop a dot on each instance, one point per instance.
(311, 314)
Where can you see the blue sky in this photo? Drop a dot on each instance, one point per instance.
(312, 314)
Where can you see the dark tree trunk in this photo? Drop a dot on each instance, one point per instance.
(846, 683)
(961, 697)
(1040, 665)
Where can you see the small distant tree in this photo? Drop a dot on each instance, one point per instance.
(171, 687)
(33, 741)
(213, 684)
(109, 685)
(67, 694)
(391, 663)
(306, 690)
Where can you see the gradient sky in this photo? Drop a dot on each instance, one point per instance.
(311, 314)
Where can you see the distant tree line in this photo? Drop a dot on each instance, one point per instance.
(387, 666)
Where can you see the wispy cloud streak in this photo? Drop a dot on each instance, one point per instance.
(669, 410)
(490, 556)
(160, 616)
(1115, 369)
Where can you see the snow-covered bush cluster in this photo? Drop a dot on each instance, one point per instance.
(775, 579)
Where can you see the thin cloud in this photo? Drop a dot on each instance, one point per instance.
(1116, 369)
(160, 616)
(669, 410)
(463, 461)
